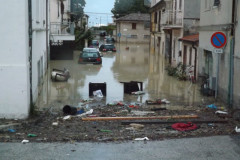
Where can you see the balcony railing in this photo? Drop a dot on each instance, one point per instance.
(64, 28)
(172, 18)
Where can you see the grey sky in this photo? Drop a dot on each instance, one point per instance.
(93, 8)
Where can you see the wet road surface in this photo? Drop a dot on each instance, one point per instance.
(138, 63)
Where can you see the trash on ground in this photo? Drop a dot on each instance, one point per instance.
(12, 130)
(138, 93)
(98, 93)
(157, 102)
(60, 75)
(139, 118)
(158, 109)
(133, 106)
(142, 139)
(142, 113)
(81, 111)
(237, 129)
(212, 106)
(137, 126)
(55, 123)
(67, 117)
(104, 130)
(86, 113)
(69, 110)
(32, 135)
(221, 112)
(25, 141)
(184, 126)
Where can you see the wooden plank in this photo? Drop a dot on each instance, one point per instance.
(172, 122)
(138, 118)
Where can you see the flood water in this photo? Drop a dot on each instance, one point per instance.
(138, 63)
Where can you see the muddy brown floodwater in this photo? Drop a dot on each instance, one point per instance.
(138, 63)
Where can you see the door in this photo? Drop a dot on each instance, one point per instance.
(185, 55)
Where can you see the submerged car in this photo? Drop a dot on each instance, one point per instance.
(110, 40)
(90, 56)
(94, 44)
(107, 47)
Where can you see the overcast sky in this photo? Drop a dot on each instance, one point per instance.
(94, 8)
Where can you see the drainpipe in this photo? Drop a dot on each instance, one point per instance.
(47, 31)
(170, 48)
(232, 47)
(195, 61)
(30, 51)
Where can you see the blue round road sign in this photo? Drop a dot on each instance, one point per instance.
(119, 34)
(218, 40)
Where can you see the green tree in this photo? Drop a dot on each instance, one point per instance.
(77, 7)
(124, 7)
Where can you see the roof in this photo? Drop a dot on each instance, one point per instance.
(190, 38)
(135, 17)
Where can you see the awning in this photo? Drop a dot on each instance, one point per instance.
(190, 38)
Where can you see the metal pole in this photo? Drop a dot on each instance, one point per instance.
(217, 77)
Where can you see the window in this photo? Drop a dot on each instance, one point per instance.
(180, 5)
(216, 3)
(207, 4)
(134, 25)
(146, 36)
(155, 18)
(134, 36)
(37, 11)
(146, 25)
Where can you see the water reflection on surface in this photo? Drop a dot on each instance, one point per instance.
(133, 64)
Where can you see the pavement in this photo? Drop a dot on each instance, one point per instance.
(207, 148)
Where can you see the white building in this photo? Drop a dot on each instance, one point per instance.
(222, 69)
(23, 58)
(61, 29)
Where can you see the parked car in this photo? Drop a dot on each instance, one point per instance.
(107, 47)
(110, 40)
(90, 55)
(103, 33)
(94, 44)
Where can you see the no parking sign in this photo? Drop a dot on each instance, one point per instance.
(218, 40)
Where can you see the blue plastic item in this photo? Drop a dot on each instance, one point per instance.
(212, 106)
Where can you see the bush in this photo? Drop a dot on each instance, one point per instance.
(179, 71)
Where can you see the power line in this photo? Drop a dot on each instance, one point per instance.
(98, 13)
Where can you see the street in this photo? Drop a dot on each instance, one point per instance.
(209, 148)
(135, 64)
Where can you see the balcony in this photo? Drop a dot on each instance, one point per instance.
(172, 19)
(62, 31)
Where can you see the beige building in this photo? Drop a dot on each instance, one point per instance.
(172, 20)
(133, 28)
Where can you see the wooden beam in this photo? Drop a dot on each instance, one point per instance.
(138, 118)
(172, 122)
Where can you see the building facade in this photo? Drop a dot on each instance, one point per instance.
(61, 29)
(221, 68)
(24, 39)
(133, 28)
(171, 20)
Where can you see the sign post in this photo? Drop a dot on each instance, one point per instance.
(218, 41)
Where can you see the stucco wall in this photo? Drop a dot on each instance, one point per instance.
(236, 81)
(126, 30)
(210, 17)
(14, 82)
